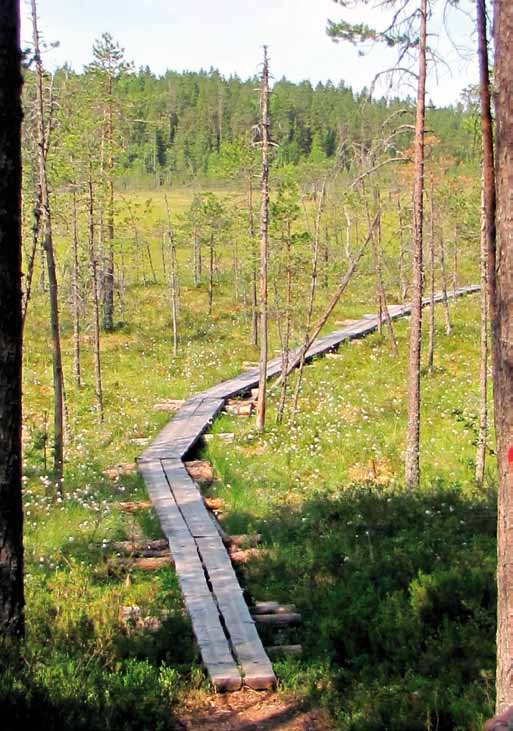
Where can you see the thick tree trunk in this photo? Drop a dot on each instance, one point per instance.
(498, 211)
(264, 236)
(11, 513)
(412, 461)
(46, 218)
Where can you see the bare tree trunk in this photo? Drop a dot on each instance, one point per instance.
(313, 288)
(93, 263)
(402, 253)
(210, 273)
(455, 262)
(173, 280)
(286, 334)
(75, 297)
(348, 234)
(197, 256)
(483, 366)
(108, 280)
(412, 461)
(264, 236)
(443, 273)
(253, 254)
(377, 242)
(46, 218)
(36, 230)
(431, 346)
(317, 327)
(12, 602)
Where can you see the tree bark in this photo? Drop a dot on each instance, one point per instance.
(412, 461)
(11, 512)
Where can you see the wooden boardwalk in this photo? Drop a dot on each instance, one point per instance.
(230, 647)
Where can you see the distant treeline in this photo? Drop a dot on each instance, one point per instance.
(180, 126)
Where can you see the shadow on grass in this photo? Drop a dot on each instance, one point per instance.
(397, 592)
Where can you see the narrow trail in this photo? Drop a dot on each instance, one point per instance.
(248, 710)
(225, 631)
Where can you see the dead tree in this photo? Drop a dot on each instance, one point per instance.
(412, 460)
(75, 295)
(265, 131)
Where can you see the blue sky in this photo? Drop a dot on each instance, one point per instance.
(228, 35)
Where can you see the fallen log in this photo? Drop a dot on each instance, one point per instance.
(200, 471)
(227, 437)
(120, 470)
(141, 564)
(213, 503)
(244, 556)
(160, 544)
(133, 507)
(294, 650)
(239, 408)
(278, 620)
(169, 405)
(272, 608)
(243, 540)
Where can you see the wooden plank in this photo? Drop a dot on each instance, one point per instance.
(183, 431)
(213, 644)
(188, 499)
(256, 667)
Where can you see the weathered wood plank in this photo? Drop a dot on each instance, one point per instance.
(210, 636)
(188, 499)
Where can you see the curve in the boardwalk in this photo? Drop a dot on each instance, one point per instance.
(230, 647)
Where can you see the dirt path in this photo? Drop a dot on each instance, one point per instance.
(249, 710)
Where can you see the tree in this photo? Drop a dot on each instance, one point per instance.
(11, 513)
(402, 33)
(265, 141)
(108, 64)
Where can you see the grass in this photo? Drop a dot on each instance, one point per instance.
(338, 464)
(397, 589)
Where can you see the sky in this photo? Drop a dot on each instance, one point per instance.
(229, 34)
